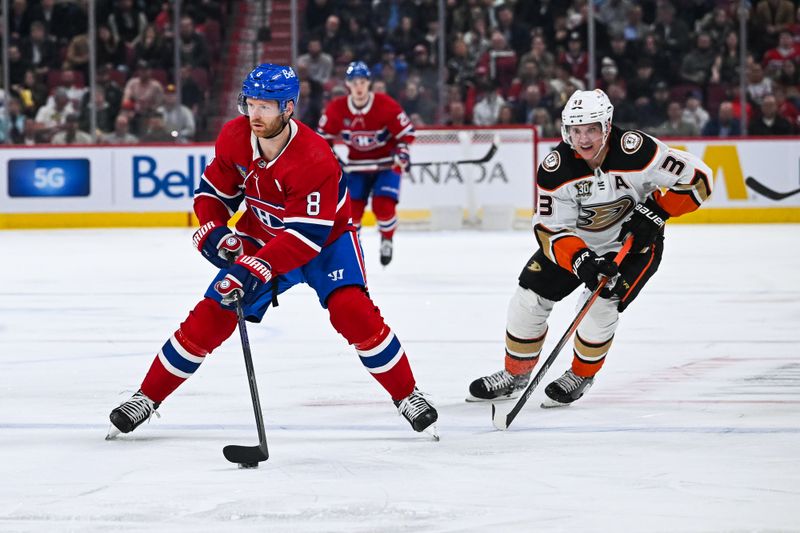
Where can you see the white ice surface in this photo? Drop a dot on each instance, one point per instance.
(692, 425)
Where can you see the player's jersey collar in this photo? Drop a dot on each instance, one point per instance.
(293, 129)
(363, 110)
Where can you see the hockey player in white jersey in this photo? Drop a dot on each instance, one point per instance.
(599, 185)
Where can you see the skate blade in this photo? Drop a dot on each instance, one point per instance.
(432, 431)
(552, 404)
(113, 432)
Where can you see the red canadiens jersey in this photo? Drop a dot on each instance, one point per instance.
(370, 133)
(294, 204)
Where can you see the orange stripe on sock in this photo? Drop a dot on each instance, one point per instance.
(518, 366)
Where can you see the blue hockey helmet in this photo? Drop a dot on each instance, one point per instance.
(357, 69)
(270, 82)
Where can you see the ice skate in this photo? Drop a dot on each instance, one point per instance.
(566, 389)
(387, 247)
(131, 414)
(502, 385)
(419, 412)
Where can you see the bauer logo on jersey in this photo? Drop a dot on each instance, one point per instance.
(584, 188)
(552, 161)
(631, 142)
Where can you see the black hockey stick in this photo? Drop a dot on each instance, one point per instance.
(248, 456)
(502, 421)
(354, 167)
(763, 190)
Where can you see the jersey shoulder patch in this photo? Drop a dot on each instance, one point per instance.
(559, 167)
(630, 151)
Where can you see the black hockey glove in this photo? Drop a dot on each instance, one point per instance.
(645, 223)
(589, 266)
(244, 280)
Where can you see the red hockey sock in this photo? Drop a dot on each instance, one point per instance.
(385, 210)
(206, 327)
(357, 319)
(357, 211)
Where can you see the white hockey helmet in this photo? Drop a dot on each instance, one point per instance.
(587, 107)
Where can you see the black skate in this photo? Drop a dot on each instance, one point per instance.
(387, 247)
(566, 389)
(131, 414)
(502, 385)
(419, 412)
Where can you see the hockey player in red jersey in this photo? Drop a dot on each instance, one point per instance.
(598, 186)
(296, 228)
(377, 133)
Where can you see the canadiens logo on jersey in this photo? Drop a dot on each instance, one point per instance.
(584, 188)
(270, 215)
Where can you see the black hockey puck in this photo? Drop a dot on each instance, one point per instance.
(248, 465)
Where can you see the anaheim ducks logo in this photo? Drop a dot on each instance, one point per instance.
(602, 216)
(534, 266)
(631, 142)
(552, 162)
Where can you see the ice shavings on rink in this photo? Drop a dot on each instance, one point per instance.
(692, 425)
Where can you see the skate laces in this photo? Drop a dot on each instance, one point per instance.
(139, 408)
(499, 380)
(386, 247)
(413, 405)
(570, 381)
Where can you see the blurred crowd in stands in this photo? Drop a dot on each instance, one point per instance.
(670, 67)
(135, 94)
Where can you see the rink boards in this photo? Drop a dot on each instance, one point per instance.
(127, 186)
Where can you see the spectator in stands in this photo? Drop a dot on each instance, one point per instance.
(487, 109)
(394, 85)
(620, 54)
(112, 90)
(540, 55)
(404, 37)
(155, 129)
(477, 38)
(126, 22)
(672, 33)
(52, 116)
(694, 112)
(770, 122)
(121, 133)
(758, 85)
(526, 106)
(193, 47)
(20, 19)
(77, 55)
(31, 133)
(786, 108)
(108, 48)
(331, 36)
(390, 57)
(192, 95)
(675, 125)
(71, 134)
(696, 65)
(178, 119)
(459, 65)
(609, 74)
(143, 90)
(12, 125)
(717, 24)
(32, 93)
(151, 48)
(359, 40)
(725, 69)
(625, 114)
(506, 115)
(309, 106)
(17, 66)
(614, 13)
(413, 101)
(563, 85)
(787, 50)
(643, 85)
(423, 70)
(634, 29)
(105, 114)
(316, 14)
(769, 18)
(39, 50)
(516, 34)
(75, 89)
(724, 125)
(789, 77)
(317, 63)
(456, 114)
(501, 61)
(665, 67)
(543, 122)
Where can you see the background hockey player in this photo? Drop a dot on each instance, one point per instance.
(599, 185)
(377, 133)
(296, 228)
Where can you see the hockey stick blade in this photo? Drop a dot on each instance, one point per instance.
(246, 455)
(763, 190)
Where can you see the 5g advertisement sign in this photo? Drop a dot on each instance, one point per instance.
(37, 178)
